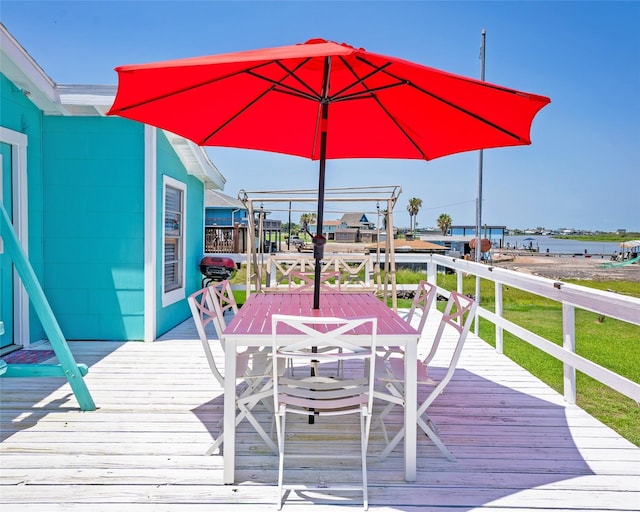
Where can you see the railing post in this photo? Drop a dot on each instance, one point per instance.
(432, 276)
(499, 311)
(367, 272)
(432, 271)
(569, 344)
(271, 272)
(476, 324)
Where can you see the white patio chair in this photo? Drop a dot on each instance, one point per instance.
(421, 304)
(251, 368)
(294, 338)
(458, 315)
(225, 307)
(304, 282)
(225, 303)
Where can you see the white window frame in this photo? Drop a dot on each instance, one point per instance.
(177, 294)
(18, 142)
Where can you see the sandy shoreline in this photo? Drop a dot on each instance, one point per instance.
(549, 266)
(577, 267)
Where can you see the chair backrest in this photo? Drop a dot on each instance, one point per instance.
(422, 302)
(223, 302)
(304, 281)
(325, 339)
(458, 314)
(203, 312)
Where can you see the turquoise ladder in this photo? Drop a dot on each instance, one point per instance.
(68, 368)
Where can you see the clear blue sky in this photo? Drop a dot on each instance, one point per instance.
(581, 171)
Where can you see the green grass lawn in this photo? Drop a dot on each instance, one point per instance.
(610, 343)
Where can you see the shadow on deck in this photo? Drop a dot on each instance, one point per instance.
(518, 445)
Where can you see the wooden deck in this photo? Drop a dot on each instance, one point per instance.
(518, 445)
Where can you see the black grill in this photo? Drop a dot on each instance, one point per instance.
(216, 268)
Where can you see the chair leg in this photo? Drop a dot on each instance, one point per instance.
(365, 426)
(245, 404)
(431, 434)
(436, 440)
(394, 397)
(280, 428)
(392, 444)
(218, 442)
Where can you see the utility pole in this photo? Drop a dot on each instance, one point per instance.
(479, 200)
(480, 164)
(289, 238)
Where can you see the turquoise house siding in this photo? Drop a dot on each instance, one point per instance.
(225, 216)
(87, 207)
(94, 227)
(170, 165)
(18, 113)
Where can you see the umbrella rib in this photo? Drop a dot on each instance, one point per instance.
(272, 88)
(385, 110)
(312, 95)
(236, 115)
(359, 80)
(190, 88)
(404, 132)
(465, 111)
(453, 105)
(364, 94)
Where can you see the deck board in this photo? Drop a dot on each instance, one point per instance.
(518, 445)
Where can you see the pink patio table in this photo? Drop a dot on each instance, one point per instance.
(251, 327)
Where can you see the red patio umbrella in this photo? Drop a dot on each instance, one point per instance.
(324, 100)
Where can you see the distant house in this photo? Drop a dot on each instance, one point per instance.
(225, 220)
(354, 227)
(223, 210)
(109, 211)
(329, 228)
(495, 234)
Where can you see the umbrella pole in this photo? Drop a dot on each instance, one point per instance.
(319, 240)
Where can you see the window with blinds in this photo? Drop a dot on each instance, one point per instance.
(173, 237)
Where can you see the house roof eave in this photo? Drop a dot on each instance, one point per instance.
(197, 162)
(27, 75)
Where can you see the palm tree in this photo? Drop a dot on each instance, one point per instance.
(444, 223)
(413, 208)
(306, 219)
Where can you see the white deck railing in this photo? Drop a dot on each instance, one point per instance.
(357, 271)
(610, 304)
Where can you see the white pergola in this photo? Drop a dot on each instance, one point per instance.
(380, 198)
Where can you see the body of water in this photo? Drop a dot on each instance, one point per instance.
(561, 245)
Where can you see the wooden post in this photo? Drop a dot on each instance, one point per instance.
(236, 237)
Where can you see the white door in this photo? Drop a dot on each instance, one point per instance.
(6, 265)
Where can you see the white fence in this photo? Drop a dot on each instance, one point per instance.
(608, 304)
(357, 272)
